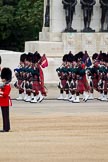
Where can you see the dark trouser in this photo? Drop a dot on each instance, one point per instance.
(5, 117)
(87, 13)
(69, 16)
(103, 16)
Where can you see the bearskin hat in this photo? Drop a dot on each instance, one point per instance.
(106, 59)
(65, 57)
(23, 57)
(36, 57)
(70, 57)
(95, 56)
(29, 57)
(6, 74)
(79, 56)
(102, 57)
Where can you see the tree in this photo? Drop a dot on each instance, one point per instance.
(10, 2)
(20, 21)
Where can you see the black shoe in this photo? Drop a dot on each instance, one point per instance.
(6, 130)
(1, 130)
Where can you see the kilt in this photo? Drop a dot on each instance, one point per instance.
(19, 85)
(80, 86)
(35, 87)
(42, 89)
(95, 84)
(86, 84)
(105, 86)
(64, 84)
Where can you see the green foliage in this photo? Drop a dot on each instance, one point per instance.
(20, 21)
(10, 2)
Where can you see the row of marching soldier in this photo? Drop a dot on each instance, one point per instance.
(79, 75)
(30, 77)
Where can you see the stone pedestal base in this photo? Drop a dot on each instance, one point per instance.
(75, 42)
(92, 42)
(45, 35)
(51, 49)
(50, 73)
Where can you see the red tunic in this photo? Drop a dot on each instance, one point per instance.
(5, 98)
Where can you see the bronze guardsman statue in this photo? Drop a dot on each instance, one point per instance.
(47, 14)
(104, 15)
(69, 6)
(87, 6)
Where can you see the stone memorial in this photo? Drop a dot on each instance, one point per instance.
(83, 33)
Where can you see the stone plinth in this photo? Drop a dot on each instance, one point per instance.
(50, 73)
(10, 59)
(51, 49)
(45, 35)
(75, 42)
(54, 43)
(92, 42)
